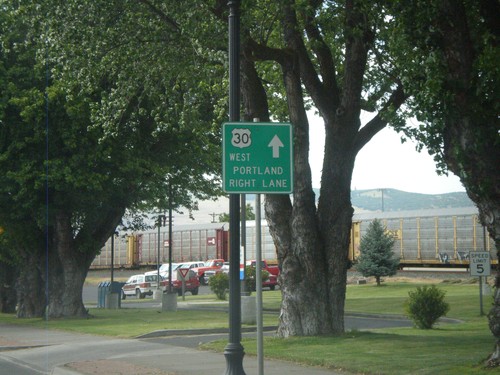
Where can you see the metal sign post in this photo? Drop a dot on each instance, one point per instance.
(183, 273)
(234, 350)
(258, 278)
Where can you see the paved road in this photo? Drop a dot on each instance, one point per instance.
(45, 351)
(26, 350)
(124, 356)
(89, 293)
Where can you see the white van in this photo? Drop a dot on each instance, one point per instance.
(140, 285)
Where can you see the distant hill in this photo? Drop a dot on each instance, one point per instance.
(397, 200)
(362, 200)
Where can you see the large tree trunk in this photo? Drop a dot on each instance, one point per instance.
(68, 270)
(31, 285)
(476, 169)
(312, 243)
(306, 300)
(489, 215)
(471, 137)
(8, 298)
(491, 218)
(334, 209)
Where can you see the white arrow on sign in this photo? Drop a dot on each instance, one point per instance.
(276, 144)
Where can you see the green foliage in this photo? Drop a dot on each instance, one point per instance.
(105, 106)
(219, 285)
(249, 214)
(447, 56)
(377, 256)
(250, 274)
(426, 305)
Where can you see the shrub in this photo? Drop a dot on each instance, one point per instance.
(250, 273)
(219, 284)
(426, 305)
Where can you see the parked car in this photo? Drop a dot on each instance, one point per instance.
(210, 273)
(140, 285)
(209, 265)
(191, 264)
(165, 267)
(191, 282)
(273, 271)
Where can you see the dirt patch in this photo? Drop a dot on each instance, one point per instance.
(109, 367)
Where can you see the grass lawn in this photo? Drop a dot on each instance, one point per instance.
(446, 349)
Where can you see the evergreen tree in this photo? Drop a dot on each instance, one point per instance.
(377, 257)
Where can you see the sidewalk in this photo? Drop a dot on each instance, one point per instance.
(63, 353)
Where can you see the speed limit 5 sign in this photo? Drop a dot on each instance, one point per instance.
(479, 263)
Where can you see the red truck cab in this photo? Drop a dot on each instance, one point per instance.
(273, 271)
(212, 264)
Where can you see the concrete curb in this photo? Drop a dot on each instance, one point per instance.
(201, 331)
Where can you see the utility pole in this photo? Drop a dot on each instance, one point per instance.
(213, 214)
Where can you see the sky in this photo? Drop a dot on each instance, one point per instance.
(385, 163)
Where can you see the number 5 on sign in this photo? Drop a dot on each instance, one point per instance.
(480, 263)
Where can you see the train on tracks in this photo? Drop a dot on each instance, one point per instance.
(440, 237)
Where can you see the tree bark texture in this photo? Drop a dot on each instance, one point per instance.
(312, 242)
(51, 279)
(475, 162)
(68, 269)
(71, 259)
(31, 284)
(8, 298)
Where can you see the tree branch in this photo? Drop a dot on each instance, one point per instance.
(308, 72)
(161, 15)
(359, 38)
(366, 133)
(324, 56)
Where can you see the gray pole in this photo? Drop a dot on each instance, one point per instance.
(170, 239)
(243, 235)
(234, 350)
(112, 256)
(158, 256)
(258, 284)
(481, 311)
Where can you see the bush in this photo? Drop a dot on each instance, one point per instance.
(219, 284)
(426, 305)
(250, 273)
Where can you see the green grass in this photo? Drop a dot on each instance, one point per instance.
(389, 298)
(447, 349)
(128, 323)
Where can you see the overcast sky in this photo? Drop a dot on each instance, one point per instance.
(386, 163)
(383, 163)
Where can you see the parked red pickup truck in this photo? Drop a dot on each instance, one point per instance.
(212, 264)
(273, 271)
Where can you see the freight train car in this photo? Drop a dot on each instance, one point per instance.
(440, 237)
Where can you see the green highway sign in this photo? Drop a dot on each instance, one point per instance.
(257, 158)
